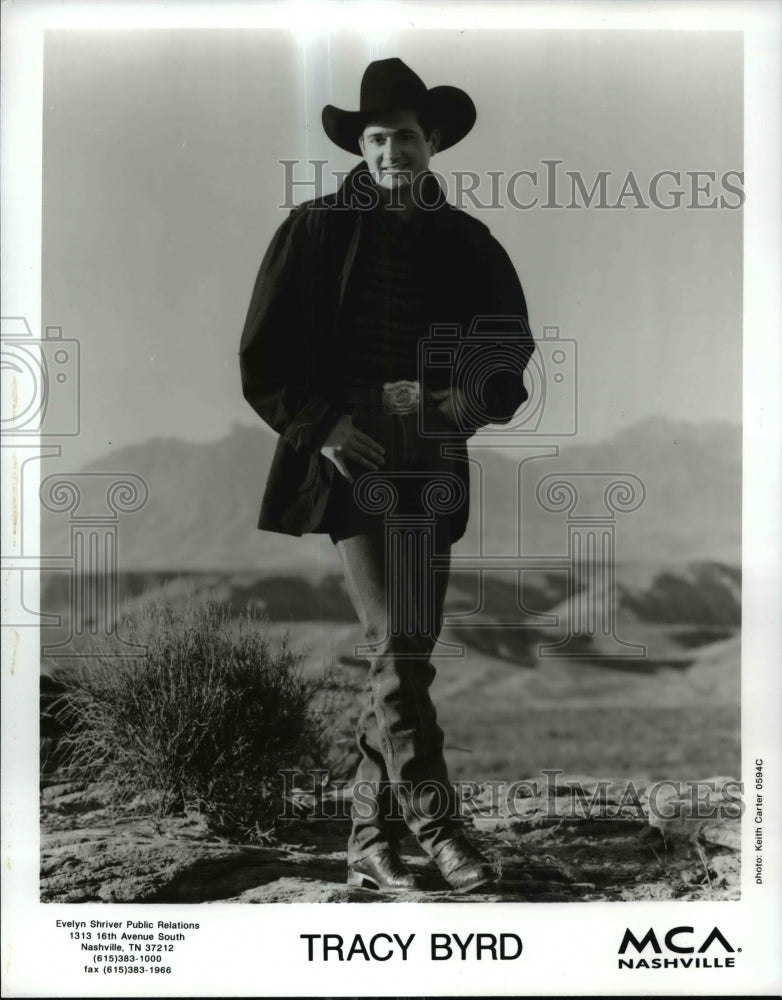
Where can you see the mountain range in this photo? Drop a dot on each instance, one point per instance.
(204, 499)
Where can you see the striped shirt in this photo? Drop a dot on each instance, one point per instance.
(385, 315)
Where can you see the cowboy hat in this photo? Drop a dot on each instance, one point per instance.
(390, 85)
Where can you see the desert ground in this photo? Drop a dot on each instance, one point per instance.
(508, 713)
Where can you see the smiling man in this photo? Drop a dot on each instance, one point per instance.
(397, 152)
(372, 446)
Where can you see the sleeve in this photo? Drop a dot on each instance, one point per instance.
(276, 357)
(504, 388)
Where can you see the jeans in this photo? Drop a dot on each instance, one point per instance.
(398, 596)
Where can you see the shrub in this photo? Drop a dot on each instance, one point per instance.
(206, 719)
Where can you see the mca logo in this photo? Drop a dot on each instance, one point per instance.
(679, 941)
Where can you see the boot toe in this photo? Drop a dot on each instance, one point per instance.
(462, 867)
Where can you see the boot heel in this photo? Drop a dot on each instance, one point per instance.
(359, 881)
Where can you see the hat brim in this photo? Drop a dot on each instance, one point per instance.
(449, 109)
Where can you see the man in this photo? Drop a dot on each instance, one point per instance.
(373, 428)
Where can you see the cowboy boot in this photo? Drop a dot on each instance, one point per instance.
(462, 867)
(384, 871)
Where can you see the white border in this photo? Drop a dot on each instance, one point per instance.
(569, 948)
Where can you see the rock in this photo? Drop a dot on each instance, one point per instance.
(697, 810)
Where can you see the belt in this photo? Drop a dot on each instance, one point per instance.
(393, 397)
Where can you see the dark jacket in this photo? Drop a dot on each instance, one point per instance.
(290, 346)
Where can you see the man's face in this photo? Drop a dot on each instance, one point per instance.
(396, 150)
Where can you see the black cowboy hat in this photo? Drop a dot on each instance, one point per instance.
(390, 85)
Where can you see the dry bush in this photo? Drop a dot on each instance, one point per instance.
(205, 720)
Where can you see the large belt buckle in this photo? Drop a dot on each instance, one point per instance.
(401, 397)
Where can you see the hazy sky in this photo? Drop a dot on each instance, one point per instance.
(162, 183)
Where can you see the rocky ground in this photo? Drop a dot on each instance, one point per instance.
(507, 711)
(546, 848)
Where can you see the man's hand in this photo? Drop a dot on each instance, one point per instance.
(346, 442)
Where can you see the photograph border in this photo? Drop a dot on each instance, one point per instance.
(568, 948)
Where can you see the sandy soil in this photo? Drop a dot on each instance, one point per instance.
(506, 711)
(92, 852)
